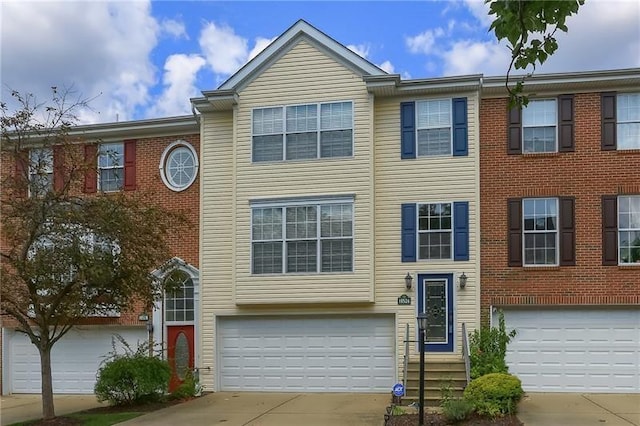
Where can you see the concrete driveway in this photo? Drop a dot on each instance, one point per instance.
(574, 409)
(21, 407)
(272, 409)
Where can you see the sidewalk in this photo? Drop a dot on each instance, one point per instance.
(576, 409)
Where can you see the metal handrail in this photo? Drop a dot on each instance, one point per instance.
(465, 353)
(406, 356)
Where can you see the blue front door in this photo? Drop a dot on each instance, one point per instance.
(435, 297)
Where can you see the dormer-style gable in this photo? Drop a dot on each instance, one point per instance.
(225, 96)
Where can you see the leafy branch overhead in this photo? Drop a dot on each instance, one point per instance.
(529, 27)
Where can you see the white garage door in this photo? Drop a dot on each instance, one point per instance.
(575, 350)
(311, 354)
(74, 359)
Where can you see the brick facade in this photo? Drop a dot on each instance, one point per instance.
(587, 174)
(183, 244)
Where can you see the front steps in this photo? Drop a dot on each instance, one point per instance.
(439, 374)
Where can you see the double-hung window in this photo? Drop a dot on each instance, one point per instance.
(540, 228)
(539, 124)
(433, 124)
(40, 171)
(303, 131)
(628, 125)
(302, 238)
(434, 231)
(111, 167)
(629, 229)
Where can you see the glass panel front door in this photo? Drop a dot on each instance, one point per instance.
(435, 298)
(436, 308)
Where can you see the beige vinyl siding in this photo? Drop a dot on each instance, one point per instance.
(216, 238)
(375, 176)
(422, 180)
(304, 75)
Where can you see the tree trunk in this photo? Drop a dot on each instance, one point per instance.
(48, 411)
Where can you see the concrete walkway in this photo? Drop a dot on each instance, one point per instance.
(575, 409)
(272, 409)
(22, 407)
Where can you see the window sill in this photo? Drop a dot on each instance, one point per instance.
(629, 265)
(300, 274)
(541, 154)
(634, 151)
(302, 160)
(542, 268)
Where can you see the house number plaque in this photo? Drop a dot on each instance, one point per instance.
(404, 300)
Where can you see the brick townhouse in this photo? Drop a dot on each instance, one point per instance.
(158, 157)
(560, 228)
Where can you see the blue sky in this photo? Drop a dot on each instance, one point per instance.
(143, 59)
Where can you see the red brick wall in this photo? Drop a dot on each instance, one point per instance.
(586, 174)
(183, 244)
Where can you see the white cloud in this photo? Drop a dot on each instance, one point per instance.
(387, 66)
(360, 49)
(480, 10)
(424, 42)
(174, 28)
(179, 81)
(261, 44)
(224, 50)
(471, 57)
(602, 35)
(96, 47)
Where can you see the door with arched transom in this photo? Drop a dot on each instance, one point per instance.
(179, 315)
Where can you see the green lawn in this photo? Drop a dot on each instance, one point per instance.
(94, 419)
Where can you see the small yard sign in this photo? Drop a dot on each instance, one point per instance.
(398, 389)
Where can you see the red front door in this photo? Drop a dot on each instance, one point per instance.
(180, 353)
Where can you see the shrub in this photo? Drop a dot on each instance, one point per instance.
(132, 378)
(488, 348)
(456, 409)
(189, 388)
(494, 394)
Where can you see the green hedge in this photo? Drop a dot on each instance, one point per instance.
(494, 394)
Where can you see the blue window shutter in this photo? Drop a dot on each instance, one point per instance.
(460, 126)
(408, 129)
(409, 232)
(461, 230)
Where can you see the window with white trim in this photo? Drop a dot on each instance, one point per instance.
(433, 125)
(628, 120)
(299, 132)
(629, 229)
(40, 171)
(539, 124)
(540, 231)
(179, 299)
(305, 238)
(434, 231)
(111, 166)
(179, 166)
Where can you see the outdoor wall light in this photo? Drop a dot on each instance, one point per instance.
(143, 317)
(463, 280)
(408, 280)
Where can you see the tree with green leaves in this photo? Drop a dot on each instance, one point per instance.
(529, 27)
(65, 255)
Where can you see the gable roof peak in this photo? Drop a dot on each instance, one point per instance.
(285, 41)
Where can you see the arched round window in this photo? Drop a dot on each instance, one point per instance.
(179, 166)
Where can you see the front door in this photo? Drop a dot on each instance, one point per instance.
(435, 297)
(180, 353)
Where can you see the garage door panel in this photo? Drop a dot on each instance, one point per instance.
(575, 350)
(75, 359)
(309, 354)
